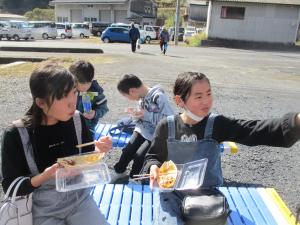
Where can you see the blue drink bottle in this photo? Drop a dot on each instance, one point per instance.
(86, 103)
(228, 147)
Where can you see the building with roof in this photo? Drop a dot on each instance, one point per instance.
(7, 17)
(1, 5)
(197, 10)
(107, 11)
(272, 21)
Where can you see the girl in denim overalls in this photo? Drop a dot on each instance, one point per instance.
(30, 147)
(196, 134)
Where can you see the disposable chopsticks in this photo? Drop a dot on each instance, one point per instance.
(147, 175)
(86, 144)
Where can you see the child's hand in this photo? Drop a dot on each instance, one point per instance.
(90, 115)
(139, 114)
(48, 174)
(104, 144)
(154, 171)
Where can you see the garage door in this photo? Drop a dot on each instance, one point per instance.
(120, 16)
(105, 16)
(76, 16)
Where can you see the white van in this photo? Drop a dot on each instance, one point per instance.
(42, 29)
(150, 33)
(3, 29)
(64, 30)
(18, 30)
(81, 30)
(189, 32)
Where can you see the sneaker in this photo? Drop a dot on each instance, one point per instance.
(116, 176)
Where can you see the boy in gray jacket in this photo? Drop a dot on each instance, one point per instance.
(153, 106)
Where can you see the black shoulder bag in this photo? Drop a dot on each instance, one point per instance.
(209, 207)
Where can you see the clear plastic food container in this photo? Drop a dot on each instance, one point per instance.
(189, 176)
(83, 176)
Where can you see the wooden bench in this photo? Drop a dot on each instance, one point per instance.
(134, 204)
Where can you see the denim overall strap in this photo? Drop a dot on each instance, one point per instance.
(171, 127)
(209, 126)
(78, 128)
(28, 150)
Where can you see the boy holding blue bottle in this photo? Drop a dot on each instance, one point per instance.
(91, 101)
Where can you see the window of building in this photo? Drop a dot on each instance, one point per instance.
(228, 12)
(90, 19)
(90, 6)
(61, 19)
(147, 9)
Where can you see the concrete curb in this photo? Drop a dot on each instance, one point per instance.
(43, 49)
(249, 45)
(6, 60)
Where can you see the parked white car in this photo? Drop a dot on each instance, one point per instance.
(42, 29)
(81, 30)
(149, 33)
(64, 30)
(18, 30)
(189, 32)
(3, 29)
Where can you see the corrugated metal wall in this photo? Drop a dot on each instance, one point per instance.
(102, 12)
(262, 23)
(198, 12)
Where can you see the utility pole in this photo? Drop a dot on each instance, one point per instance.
(177, 19)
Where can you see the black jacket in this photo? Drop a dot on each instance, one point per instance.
(279, 132)
(134, 33)
(48, 142)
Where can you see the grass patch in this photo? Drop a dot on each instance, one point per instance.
(26, 69)
(298, 43)
(195, 41)
(92, 39)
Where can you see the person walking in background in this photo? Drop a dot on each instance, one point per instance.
(164, 38)
(134, 35)
(91, 101)
(153, 106)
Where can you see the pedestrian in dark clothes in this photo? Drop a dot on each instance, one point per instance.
(134, 35)
(164, 38)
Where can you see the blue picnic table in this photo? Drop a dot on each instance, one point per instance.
(134, 204)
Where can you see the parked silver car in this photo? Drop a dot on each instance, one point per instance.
(4, 28)
(81, 30)
(64, 30)
(18, 30)
(42, 29)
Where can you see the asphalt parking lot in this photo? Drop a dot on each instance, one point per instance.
(250, 84)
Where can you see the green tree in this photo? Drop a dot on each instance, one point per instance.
(40, 14)
(170, 21)
(21, 6)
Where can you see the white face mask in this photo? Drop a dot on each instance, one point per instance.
(192, 115)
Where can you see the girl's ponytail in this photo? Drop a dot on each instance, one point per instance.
(33, 116)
